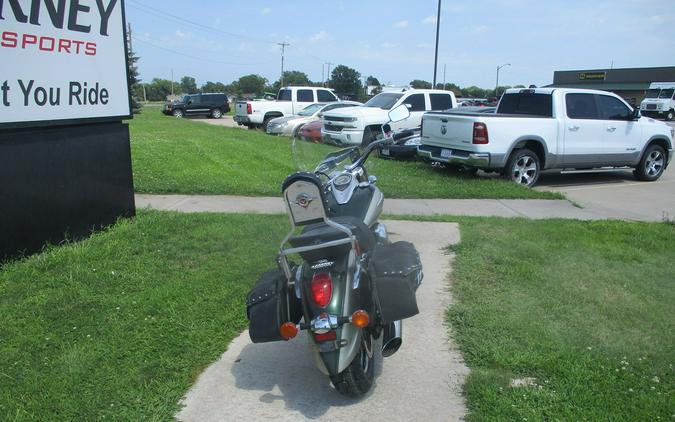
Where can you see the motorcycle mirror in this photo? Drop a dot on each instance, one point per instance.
(399, 113)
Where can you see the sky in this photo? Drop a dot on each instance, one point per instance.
(393, 40)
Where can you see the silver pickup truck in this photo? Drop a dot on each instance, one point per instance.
(549, 128)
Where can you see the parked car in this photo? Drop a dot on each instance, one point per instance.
(659, 101)
(404, 147)
(312, 131)
(290, 100)
(290, 125)
(361, 125)
(550, 128)
(213, 105)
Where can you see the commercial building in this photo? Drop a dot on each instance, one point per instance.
(629, 83)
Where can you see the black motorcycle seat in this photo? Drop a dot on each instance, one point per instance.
(315, 234)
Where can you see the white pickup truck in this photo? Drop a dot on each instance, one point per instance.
(357, 125)
(290, 100)
(549, 128)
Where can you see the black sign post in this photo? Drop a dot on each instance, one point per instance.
(65, 159)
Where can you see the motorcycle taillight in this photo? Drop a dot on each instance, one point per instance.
(322, 289)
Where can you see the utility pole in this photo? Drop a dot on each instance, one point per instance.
(323, 68)
(283, 49)
(328, 75)
(131, 50)
(443, 76)
(497, 83)
(172, 82)
(438, 26)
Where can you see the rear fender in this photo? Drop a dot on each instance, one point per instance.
(344, 301)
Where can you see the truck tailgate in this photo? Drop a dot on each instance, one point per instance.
(241, 108)
(447, 130)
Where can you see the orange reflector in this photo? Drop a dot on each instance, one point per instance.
(360, 319)
(288, 330)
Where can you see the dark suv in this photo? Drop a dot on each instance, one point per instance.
(213, 105)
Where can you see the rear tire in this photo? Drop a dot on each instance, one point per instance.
(652, 164)
(670, 115)
(356, 380)
(523, 167)
(216, 113)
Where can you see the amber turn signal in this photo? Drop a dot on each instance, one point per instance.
(288, 330)
(360, 319)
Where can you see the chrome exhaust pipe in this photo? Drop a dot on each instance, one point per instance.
(392, 338)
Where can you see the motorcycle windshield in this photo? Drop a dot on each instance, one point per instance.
(310, 155)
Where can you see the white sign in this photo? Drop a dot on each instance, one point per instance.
(62, 60)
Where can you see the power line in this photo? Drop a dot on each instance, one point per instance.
(194, 57)
(165, 15)
(177, 19)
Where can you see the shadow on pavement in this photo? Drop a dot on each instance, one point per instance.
(289, 366)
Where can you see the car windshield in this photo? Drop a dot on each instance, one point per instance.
(385, 100)
(653, 93)
(666, 93)
(310, 109)
(186, 99)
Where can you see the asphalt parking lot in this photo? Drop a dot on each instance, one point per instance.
(617, 191)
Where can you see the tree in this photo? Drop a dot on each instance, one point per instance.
(251, 84)
(346, 81)
(188, 85)
(292, 78)
(475, 92)
(420, 84)
(135, 86)
(372, 81)
(158, 89)
(214, 87)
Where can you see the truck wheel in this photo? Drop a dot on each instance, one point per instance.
(178, 113)
(523, 167)
(367, 137)
(216, 113)
(266, 122)
(670, 115)
(296, 131)
(651, 164)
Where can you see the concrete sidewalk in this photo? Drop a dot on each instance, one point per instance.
(530, 208)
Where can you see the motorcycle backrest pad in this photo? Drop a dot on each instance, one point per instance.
(268, 305)
(397, 273)
(304, 198)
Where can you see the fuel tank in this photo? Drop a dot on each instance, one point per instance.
(366, 203)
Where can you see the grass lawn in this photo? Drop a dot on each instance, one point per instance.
(180, 156)
(120, 325)
(586, 308)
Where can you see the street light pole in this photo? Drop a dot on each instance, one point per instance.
(438, 26)
(497, 83)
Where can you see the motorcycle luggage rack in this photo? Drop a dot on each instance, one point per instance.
(303, 195)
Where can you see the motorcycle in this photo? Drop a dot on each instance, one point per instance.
(352, 285)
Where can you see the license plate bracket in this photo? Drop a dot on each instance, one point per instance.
(446, 153)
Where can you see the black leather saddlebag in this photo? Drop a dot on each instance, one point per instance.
(397, 273)
(268, 305)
